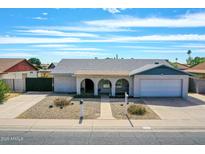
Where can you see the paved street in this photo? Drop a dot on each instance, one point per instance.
(108, 138)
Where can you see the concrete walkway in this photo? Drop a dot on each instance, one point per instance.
(106, 112)
(17, 105)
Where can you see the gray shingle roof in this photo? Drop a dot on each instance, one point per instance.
(144, 68)
(152, 66)
(70, 66)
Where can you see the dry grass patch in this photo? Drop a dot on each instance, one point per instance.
(46, 109)
(11, 95)
(137, 109)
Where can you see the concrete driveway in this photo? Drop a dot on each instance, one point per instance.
(177, 108)
(15, 106)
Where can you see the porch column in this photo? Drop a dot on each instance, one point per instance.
(78, 82)
(95, 89)
(113, 88)
(95, 86)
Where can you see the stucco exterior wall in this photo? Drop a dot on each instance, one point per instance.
(96, 79)
(64, 83)
(19, 75)
(197, 85)
(184, 78)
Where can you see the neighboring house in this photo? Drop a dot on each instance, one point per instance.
(52, 65)
(138, 77)
(181, 66)
(14, 71)
(198, 70)
(197, 82)
(11, 68)
(46, 71)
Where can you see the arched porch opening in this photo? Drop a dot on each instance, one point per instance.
(121, 86)
(104, 87)
(87, 86)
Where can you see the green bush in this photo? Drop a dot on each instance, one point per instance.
(4, 88)
(136, 110)
(61, 102)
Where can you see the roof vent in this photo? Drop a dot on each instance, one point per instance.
(156, 62)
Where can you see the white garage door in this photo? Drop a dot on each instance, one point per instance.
(161, 88)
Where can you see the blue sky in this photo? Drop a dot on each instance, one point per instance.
(53, 34)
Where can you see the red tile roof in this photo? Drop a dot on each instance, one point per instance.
(200, 68)
(7, 63)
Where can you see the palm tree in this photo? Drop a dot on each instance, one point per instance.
(189, 60)
(189, 53)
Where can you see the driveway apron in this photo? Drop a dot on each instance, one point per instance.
(17, 105)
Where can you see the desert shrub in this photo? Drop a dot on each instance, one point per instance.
(62, 102)
(4, 89)
(136, 109)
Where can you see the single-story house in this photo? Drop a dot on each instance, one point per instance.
(198, 70)
(13, 68)
(137, 77)
(46, 71)
(197, 81)
(181, 66)
(14, 71)
(52, 65)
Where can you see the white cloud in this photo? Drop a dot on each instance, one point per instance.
(34, 40)
(165, 47)
(78, 54)
(126, 39)
(55, 33)
(112, 10)
(45, 13)
(81, 49)
(177, 37)
(187, 20)
(40, 18)
(52, 45)
(197, 46)
(17, 55)
(83, 28)
(168, 51)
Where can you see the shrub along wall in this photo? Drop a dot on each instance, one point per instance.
(4, 88)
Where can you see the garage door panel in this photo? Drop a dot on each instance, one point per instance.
(157, 88)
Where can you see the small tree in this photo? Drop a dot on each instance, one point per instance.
(35, 61)
(4, 88)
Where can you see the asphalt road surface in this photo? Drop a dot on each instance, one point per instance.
(101, 138)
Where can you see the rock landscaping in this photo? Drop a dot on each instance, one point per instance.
(136, 109)
(61, 106)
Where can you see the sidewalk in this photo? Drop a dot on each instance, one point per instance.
(99, 124)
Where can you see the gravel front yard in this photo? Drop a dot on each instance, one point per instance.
(42, 110)
(118, 109)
